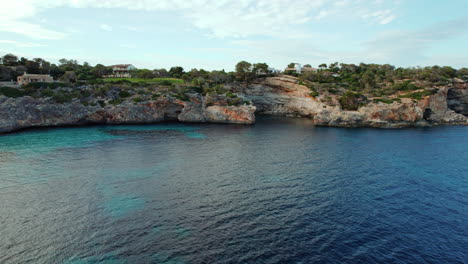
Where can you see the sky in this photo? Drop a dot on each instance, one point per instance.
(216, 34)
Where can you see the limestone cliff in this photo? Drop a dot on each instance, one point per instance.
(26, 112)
(282, 95)
(285, 96)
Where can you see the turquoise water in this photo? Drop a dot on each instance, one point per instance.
(282, 191)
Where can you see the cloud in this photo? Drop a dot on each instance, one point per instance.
(222, 18)
(105, 27)
(400, 47)
(381, 16)
(21, 44)
(131, 28)
(14, 15)
(409, 47)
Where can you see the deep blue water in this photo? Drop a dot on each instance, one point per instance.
(281, 191)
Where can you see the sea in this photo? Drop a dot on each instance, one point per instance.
(279, 191)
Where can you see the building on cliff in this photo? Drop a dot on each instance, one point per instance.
(30, 78)
(298, 68)
(121, 71)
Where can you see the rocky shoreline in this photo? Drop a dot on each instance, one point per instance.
(282, 95)
(285, 96)
(27, 112)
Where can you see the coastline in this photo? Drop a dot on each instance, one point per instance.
(282, 96)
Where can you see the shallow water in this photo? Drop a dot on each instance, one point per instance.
(281, 191)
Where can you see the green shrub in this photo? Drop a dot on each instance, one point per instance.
(196, 89)
(405, 86)
(137, 100)
(314, 94)
(119, 81)
(11, 92)
(102, 90)
(102, 103)
(54, 85)
(116, 101)
(35, 85)
(386, 100)
(165, 82)
(124, 94)
(155, 96)
(332, 90)
(231, 95)
(235, 101)
(62, 98)
(85, 93)
(75, 94)
(47, 93)
(352, 101)
(182, 96)
(419, 95)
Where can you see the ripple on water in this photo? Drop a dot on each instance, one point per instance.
(108, 258)
(121, 205)
(284, 192)
(163, 258)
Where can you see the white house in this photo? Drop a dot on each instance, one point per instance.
(299, 69)
(121, 71)
(273, 70)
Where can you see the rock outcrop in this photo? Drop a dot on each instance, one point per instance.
(27, 112)
(280, 96)
(457, 97)
(285, 96)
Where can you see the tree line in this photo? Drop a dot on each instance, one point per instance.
(359, 77)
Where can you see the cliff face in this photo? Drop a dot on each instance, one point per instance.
(26, 112)
(457, 98)
(284, 96)
(281, 95)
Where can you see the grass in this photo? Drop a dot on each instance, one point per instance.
(141, 80)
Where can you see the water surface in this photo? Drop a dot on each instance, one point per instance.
(281, 191)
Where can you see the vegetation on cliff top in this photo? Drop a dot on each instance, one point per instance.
(352, 85)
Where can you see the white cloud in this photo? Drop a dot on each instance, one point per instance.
(322, 14)
(223, 18)
(403, 48)
(14, 15)
(130, 28)
(105, 27)
(21, 44)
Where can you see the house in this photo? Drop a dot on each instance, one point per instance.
(121, 71)
(299, 69)
(30, 78)
(273, 70)
(307, 68)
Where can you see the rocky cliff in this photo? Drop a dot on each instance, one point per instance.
(457, 97)
(285, 96)
(27, 112)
